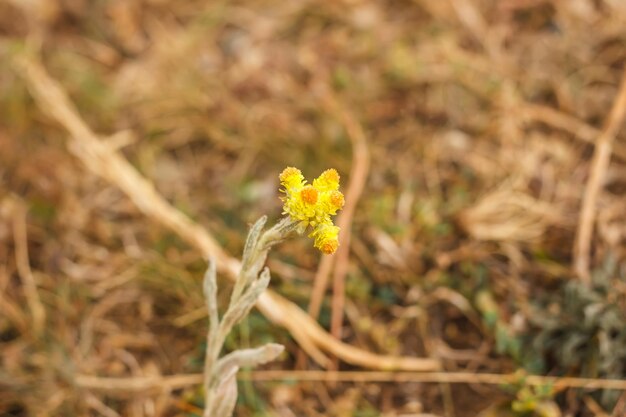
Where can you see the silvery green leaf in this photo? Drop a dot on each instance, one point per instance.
(249, 357)
(236, 312)
(253, 238)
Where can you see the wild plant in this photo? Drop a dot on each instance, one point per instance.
(306, 207)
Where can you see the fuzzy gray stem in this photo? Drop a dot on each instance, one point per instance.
(219, 375)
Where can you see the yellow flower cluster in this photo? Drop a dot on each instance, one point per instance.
(313, 205)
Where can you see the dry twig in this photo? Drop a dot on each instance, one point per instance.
(599, 166)
(23, 266)
(358, 177)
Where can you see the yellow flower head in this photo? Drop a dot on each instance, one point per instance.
(326, 238)
(309, 194)
(328, 181)
(313, 205)
(336, 200)
(291, 178)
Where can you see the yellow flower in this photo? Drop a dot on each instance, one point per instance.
(291, 178)
(327, 181)
(309, 194)
(326, 238)
(313, 205)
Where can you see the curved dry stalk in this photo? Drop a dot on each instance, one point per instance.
(358, 177)
(104, 161)
(22, 261)
(599, 165)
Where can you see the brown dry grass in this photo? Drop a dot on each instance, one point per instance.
(481, 143)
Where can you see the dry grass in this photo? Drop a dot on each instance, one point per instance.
(482, 142)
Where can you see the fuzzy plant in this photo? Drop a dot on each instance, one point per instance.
(583, 331)
(306, 207)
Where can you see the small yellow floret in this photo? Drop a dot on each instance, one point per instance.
(326, 238)
(330, 247)
(291, 178)
(327, 181)
(309, 194)
(336, 199)
(289, 172)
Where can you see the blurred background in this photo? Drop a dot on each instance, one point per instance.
(465, 132)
